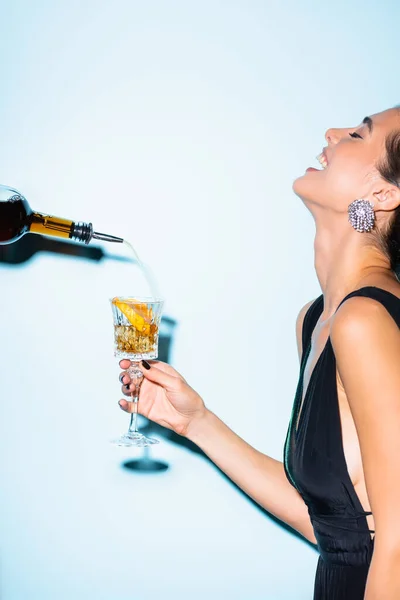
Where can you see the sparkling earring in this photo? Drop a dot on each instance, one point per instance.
(361, 215)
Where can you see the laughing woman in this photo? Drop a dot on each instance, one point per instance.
(339, 482)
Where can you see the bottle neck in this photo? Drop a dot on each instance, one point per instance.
(61, 228)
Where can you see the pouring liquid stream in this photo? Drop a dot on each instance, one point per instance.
(146, 272)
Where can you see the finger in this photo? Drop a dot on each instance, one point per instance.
(125, 363)
(126, 406)
(129, 407)
(124, 377)
(155, 374)
(165, 367)
(128, 389)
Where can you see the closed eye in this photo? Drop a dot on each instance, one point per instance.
(354, 134)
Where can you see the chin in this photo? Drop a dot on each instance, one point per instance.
(306, 186)
(302, 185)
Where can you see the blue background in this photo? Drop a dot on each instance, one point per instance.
(179, 126)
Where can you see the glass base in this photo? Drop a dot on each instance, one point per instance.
(135, 357)
(134, 439)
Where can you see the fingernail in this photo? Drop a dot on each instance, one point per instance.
(127, 386)
(145, 364)
(119, 402)
(121, 377)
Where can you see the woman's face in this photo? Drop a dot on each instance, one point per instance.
(351, 154)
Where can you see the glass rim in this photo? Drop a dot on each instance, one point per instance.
(138, 299)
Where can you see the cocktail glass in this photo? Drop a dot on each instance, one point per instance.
(136, 331)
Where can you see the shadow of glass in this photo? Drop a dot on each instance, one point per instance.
(145, 464)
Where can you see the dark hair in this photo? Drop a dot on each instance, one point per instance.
(389, 169)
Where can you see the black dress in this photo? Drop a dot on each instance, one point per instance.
(315, 465)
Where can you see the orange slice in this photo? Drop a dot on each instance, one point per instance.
(145, 311)
(137, 319)
(139, 307)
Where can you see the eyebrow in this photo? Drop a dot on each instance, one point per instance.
(368, 121)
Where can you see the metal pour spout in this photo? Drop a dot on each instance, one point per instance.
(83, 232)
(106, 238)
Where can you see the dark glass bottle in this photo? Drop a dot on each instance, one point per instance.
(17, 218)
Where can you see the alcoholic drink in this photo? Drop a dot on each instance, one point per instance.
(17, 218)
(136, 327)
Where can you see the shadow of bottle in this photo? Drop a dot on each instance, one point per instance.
(29, 246)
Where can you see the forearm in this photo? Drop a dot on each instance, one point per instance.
(383, 581)
(261, 477)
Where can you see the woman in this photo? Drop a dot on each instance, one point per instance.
(340, 478)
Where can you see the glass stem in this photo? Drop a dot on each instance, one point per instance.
(136, 376)
(133, 424)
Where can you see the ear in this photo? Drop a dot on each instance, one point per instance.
(386, 197)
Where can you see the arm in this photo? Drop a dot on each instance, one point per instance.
(366, 342)
(261, 477)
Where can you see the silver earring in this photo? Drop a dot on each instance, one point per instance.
(361, 215)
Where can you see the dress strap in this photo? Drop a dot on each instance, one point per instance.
(389, 300)
(365, 513)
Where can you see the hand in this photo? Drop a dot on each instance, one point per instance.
(165, 397)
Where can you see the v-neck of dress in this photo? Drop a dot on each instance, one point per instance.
(301, 402)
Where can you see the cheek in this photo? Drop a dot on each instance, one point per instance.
(344, 178)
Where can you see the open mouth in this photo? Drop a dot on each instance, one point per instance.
(321, 158)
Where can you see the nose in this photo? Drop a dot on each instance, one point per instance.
(332, 136)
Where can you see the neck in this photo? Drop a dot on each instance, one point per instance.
(346, 260)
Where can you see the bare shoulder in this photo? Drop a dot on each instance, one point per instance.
(299, 325)
(361, 316)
